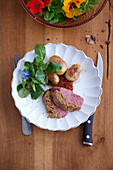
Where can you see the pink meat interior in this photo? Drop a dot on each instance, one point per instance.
(60, 112)
(73, 98)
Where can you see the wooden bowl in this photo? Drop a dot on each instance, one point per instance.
(70, 22)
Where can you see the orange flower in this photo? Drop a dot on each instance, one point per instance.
(35, 6)
(72, 4)
(47, 2)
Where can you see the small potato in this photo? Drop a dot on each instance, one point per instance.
(73, 72)
(54, 78)
(58, 60)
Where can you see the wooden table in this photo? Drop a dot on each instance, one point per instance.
(45, 150)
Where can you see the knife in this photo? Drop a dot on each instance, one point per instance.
(87, 132)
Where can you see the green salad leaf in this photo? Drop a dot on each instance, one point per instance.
(33, 86)
(24, 82)
(41, 77)
(20, 86)
(93, 2)
(36, 94)
(27, 65)
(53, 67)
(75, 18)
(44, 66)
(32, 70)
(38, 61)
(77, 9)
(40, 50)
(61, 18)
(54, 12)
(54, 20)
(34, 74)
(48, 15)
(36, 82)
(28, 86)
(23, 92)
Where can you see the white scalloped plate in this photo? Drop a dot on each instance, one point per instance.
(88, 86)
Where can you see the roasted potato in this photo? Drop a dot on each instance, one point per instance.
(53, 77)
(58, 60)
(73, 72)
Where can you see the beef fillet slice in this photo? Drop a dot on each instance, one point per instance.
(66, 99)
(51, 108)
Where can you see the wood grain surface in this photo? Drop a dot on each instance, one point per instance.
(45, 150)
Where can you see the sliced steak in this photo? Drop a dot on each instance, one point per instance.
(53, 110)
(66, 99)
(73, 98)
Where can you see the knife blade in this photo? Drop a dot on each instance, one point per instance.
(87, 132)
(100, 66)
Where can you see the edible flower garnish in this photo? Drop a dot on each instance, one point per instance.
(47, 2)
(25, 75)
(54, 11)
(70, 5)
(35, 6)
(35, 75)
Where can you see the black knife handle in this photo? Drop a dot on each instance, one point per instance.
(87, 133)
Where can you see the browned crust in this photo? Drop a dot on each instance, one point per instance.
(50, 108)
(61, 101)
(75, 68)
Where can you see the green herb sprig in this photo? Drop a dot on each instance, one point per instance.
(35, 74)
(85, 6)
(53, 13)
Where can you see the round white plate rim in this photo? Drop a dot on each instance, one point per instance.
(99, 97)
